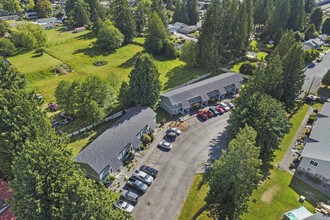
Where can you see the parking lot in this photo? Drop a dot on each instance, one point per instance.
(202, 142)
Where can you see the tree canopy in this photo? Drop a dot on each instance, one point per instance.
(189, 53)
(4, 27)
(78, 12)
(43, 8)
(326, 26)
(326, 78)
(109, 37)
(7, 48)
(234, 176)
(316, 18)
(144, 83)
(266, 115)
(10, 79)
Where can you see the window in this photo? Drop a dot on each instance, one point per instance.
(313, 163)
(310, 170)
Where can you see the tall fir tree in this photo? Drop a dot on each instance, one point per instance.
(144, 82)
(297, 15)
(293, 75)
(10, 79)
(123, 19)
(309, 6)
(234, 176)
(79, 14)
(317, 18)
(287, 40)
(279, 18)
(262, 11)
(192, 12)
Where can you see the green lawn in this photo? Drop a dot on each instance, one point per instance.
(325, 48)
(78, 51)
(236, 67)
(276, 195)
(261, 55)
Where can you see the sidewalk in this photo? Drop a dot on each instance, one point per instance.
(291, 154)
(140, 159)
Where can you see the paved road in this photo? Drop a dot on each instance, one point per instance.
(201, 142)
(318, 72)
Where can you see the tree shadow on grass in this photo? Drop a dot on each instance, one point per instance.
(87, 36)
(181, 74)
(93, 51)
(130, 62)
(36, 55)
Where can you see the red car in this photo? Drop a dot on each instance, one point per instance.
(220, 110)
(209, 113)
(202, 115)
(53, 106)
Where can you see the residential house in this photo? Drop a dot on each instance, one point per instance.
(48, 23)
(316, 154)
(5, 193)
(313, 43)
(173, 28)
(106, 154)
(9, 17)
(79, 29)
(188, 29)
(29, 14)
(182, 100)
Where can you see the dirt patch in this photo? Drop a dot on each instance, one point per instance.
(267, 196)
(183, 126)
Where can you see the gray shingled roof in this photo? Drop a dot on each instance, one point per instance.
(104, 149)
(318, 216)
(321, 148)
(183, 94)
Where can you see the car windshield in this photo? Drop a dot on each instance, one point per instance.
(146, 177)
(141, 185)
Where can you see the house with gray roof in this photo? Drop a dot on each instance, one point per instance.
(181, 100)
(106, 154)
(313, 43)
(316, 154)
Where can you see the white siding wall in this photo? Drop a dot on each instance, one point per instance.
(322, 170)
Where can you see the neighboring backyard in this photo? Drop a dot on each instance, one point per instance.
(78, 51)
(277, 194)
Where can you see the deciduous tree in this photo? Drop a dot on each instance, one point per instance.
(7, 48)
(4, 27)
(43, 8)
(234, 176)
(189, 53)
(109, 37)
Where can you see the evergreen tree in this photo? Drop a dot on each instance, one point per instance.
(43, 8)
(279, 18)
(157, 5)
(297, 15)
(285, 44)
(278, 37)
(192, 12)
(311, 32)
(326, 26)
(234, 177)
(10, 79)
(266, 115)
(145, 85)
(123, 19)
(316, 18)
(309, 6)
(141, 14)
(21, 120)
(55, 187)
(189, 53)
(177, 12)
(124, 96)
(79, 14)
(294, 76)
(156, 35)
(109, 37)
(262, 11)
(249, 11)
(184, 13)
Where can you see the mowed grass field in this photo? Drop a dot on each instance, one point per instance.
(79, 52)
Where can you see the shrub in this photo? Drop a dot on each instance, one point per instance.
(61, 69)
(197, 105)
(152, 136)
(307, 133)
(146, 139)
(212, 101)
(247, 68)
(111, 178)
(311, 118)
(131, 154)
(40, 51)
(311, 55)
(126, 162)
(327, 40)
(299, 172)
(304, 137)
(7, 48)
(163, 122)
(100, 63)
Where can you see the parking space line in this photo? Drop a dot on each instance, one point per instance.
(151, 161)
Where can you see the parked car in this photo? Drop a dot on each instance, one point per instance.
(130, 196)
(171, 136)
(53, 106)
(66, 116)
(142, 176)
(320, 49)
(219, 109)
(209, 113)
(224, 106)
(149, 170)
(175, 130)
(124, 206)
(215, 112)
(311, 65)
(319, 60)
(137, 184)
(56, 124)
(229, 104)
(202, 115)
(165, 145)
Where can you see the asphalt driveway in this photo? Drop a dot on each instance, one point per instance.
(202, 142)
